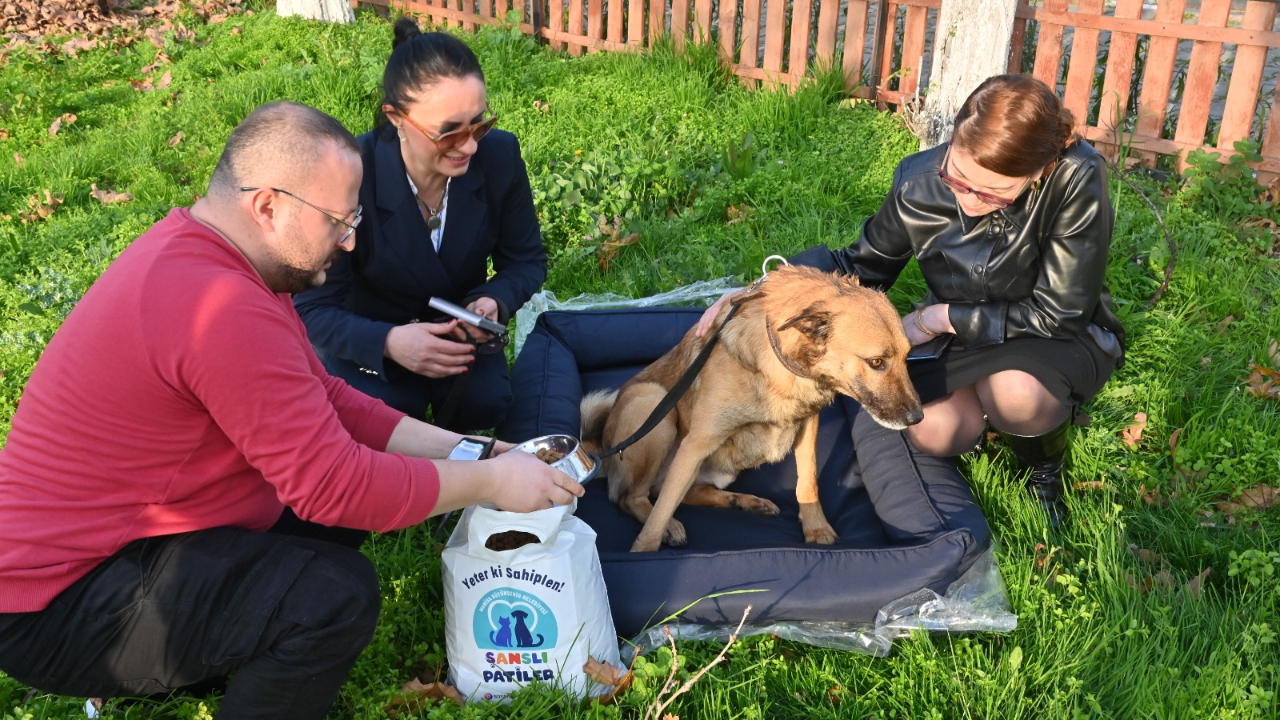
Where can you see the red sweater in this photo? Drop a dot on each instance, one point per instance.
(182, 394)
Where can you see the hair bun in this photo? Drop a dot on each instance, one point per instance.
(406, 29)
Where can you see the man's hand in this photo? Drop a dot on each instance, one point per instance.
(709, 317)
(423, 348)
(525, 483)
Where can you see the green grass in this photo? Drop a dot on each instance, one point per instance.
(646, 138)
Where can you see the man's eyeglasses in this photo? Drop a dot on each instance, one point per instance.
(454, 138)
(350, 226)
(959, 187)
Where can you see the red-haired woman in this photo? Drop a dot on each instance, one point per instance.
(1011, 225)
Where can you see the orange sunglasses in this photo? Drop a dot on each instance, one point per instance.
(454, 138)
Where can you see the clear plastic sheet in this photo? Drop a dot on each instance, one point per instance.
(702, 294)
(976, 602)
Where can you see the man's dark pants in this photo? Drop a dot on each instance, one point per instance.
(284, 613)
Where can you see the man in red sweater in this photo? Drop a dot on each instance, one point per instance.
(183, 485)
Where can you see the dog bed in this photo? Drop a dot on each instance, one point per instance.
(906, 522)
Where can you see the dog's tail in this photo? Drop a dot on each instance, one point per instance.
(595, 410)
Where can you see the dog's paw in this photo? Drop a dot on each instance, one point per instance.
(822, 535)
(755, 505)
(675, 535)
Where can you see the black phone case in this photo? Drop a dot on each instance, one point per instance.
(932, 349)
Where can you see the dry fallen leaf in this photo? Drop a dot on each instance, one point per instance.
(156, 37)
(40, 210)
(109, 197)
(1094, 485)
(142, 85)
(1223, 323)
(236, 30)
(416, 695)
(164, 80)
(1144, 554)
(161, 59)
(4, 134)
(1273, 353)
(1263, 382)
(173, 141)
(1133, 434)
(1173, 443)
(17, 160)
(217, 18)
(1197, 583)
(618, 681)
(67, 118)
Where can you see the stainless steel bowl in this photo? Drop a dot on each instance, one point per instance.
(576, 463)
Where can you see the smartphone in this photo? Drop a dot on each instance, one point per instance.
(467, 316)
(931, 349)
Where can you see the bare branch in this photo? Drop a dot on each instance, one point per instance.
(656, 708)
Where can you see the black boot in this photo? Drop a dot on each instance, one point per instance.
(1045, 455)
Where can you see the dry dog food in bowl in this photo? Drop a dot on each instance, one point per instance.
(564, 453)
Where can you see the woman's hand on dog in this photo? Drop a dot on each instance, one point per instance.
(525, 483)
(709, 317)
(426, 349)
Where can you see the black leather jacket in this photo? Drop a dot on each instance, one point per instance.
(1034, 269)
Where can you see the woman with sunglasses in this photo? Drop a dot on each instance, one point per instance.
(444, 193)
(1011, 224)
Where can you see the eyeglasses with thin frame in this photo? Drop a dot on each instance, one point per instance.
(350, 226)
(454, 138)
(963, 189)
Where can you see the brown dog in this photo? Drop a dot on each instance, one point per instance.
(797, 340)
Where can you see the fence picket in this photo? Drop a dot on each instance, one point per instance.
(461, 6)
(555, 20)
(774, 38)
(657, 20)
(679, 22)
(635, 23)
(801, 25)
(611, 18)
(575, 26)
(1202, 75)
(1157, 79)
(702, 20)
(915, 27)
(855, 41)
(1082, 64)
(1049, 46)
(485, 8)
(886, 54)
(1116, 84)
(748, 55)
(828, 26)
(1016, 42)
(1246, 78)
(728, 29)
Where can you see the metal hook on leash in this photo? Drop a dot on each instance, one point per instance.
(764, 270)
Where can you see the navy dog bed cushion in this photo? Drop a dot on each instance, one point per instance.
(905, 521)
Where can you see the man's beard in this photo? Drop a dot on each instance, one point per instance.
(287, 277)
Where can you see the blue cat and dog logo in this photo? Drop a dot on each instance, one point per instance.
(517, 628)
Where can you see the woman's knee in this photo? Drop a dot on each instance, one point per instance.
(1015, 398)
(951, 426)
(337, 595)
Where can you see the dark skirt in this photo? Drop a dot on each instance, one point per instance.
(1072, 370)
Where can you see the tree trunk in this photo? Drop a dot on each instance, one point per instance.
(971, 45)
(327, 10)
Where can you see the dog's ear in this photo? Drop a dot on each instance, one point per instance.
(813, 322)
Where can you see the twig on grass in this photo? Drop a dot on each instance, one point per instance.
(656, 708)
(1168, 237)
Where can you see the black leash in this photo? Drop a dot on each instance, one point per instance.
(677, 391)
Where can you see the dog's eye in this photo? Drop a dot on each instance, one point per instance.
(876, 363)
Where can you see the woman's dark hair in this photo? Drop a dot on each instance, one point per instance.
(421, 59)
(1014, 125)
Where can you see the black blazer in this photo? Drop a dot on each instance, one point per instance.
(1034, 269)
(393, 270)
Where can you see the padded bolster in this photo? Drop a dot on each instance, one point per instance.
(564, 346)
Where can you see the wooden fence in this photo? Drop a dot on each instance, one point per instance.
(1157, 87)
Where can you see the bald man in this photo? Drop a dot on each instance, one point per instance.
(184, 486)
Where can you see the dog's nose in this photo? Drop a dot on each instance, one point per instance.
(915, 415)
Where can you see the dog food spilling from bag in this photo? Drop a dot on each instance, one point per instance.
(509, 540)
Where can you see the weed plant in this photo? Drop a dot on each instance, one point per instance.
(1116, 616)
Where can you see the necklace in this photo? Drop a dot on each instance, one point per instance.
(433, 216)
